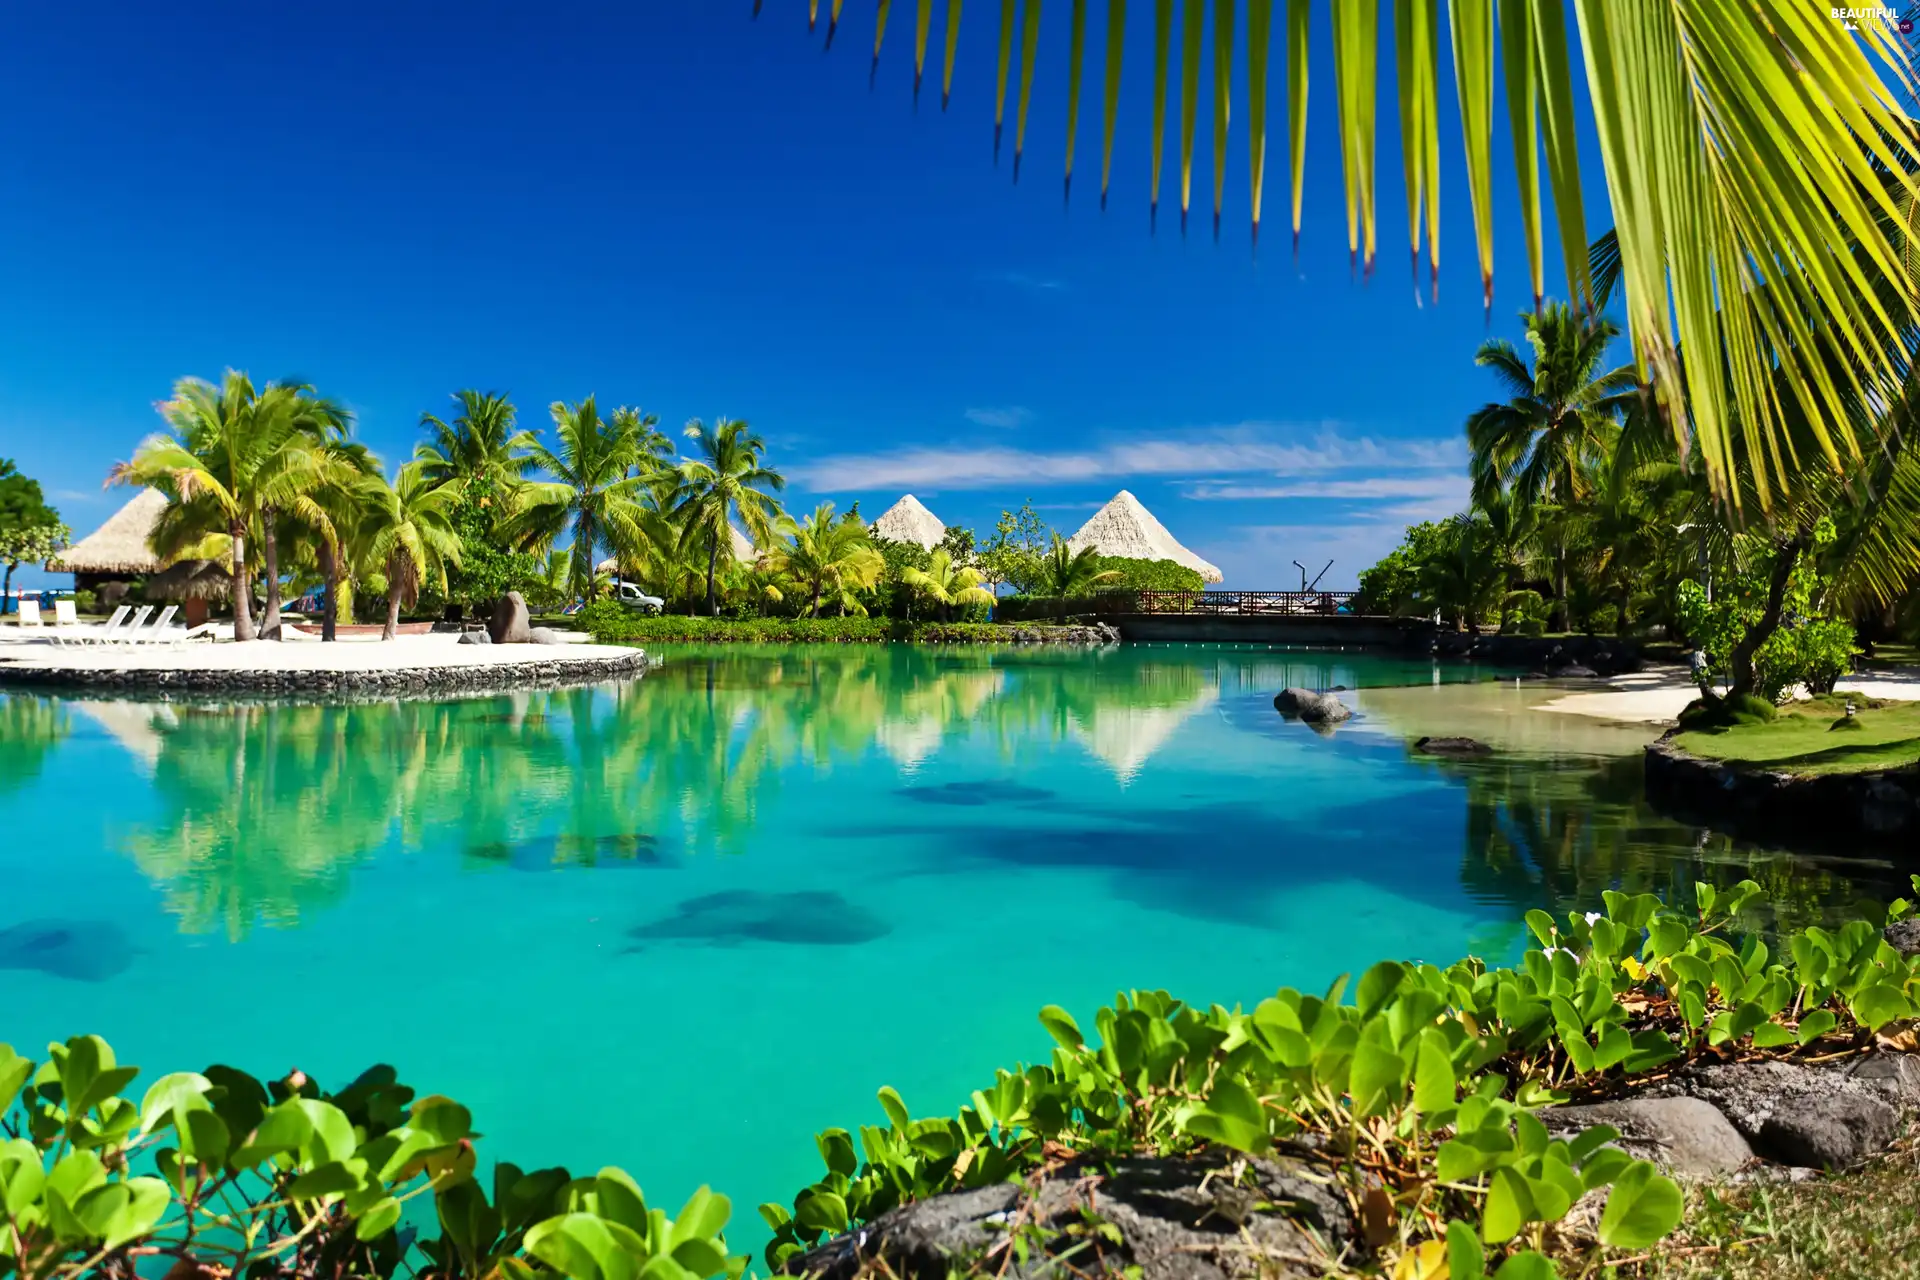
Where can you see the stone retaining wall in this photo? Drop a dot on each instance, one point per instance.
(479, 678)
(1833, 809)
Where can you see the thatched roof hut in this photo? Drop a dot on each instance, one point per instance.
(119, 548)
(1125, 528)
(908, 520)
(191, 580)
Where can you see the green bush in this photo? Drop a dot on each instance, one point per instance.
(610, 623)
(1710, 712)
(1427, 1079)
(1149, 575)
(214, 1173)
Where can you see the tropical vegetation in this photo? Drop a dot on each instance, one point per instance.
(30, 530)
(1414, 1098)
(1586, 516)
(271, 482)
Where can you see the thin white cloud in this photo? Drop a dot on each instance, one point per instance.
(1024, 280)
(1276, 449)
(1013, 415)
(1436, 485)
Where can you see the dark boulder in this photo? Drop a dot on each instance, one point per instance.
(1175, 1220)
(1310, 707)
(509, 624)
(1686, 1136)
(474, 637)
(1904, 936)
(1452, 747)
(1799, 1115)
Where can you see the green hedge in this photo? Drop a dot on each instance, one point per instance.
(610, 623)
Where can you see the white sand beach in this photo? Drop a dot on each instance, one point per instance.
(404, 653)
(1658, 696)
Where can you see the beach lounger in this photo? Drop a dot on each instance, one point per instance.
(111, 635)
(82, 634)
(157, 633)
(30, 616)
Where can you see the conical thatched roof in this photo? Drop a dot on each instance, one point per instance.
(119, 545)
(908, 520)
(743, 548)
(1126, 529)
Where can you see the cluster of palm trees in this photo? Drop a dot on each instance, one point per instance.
(1586, 515)
(269, 481)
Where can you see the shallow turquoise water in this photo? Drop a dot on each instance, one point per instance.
(681, 923)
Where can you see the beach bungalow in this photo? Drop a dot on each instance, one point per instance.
(908, 520)
(1126, 529)
(118, 550)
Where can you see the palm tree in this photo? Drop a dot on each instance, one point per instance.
(601, 469)
(726, 475)
(1740, 145)
(1542, 445)
(326, 520)
(480, 442)
(1064, 573)
(1468, 579)
(830, 555)
(410, 535)
(236, 459)
(947, 584)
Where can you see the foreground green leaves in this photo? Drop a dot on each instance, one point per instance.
(1425, 1086)
(222, 1173)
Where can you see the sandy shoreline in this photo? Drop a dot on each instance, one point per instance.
(406, 653)
(1658, 696)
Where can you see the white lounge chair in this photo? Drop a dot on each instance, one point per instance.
(157, 633)
(82, 634)
(30, 616)
(128, 631)
(64, 614)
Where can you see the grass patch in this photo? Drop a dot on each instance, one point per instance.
(612, 625)
(1863, 1225)
(1814, 736)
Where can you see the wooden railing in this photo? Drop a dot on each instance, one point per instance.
(1229, 603)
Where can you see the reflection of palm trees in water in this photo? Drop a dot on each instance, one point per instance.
(1554, 835)
(30, 728)
(268, 808)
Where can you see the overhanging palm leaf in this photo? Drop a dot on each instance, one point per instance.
(1741, 145)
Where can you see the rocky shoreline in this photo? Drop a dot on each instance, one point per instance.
(1878, 808)
(493, 677)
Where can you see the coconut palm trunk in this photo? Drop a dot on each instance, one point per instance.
(330, 571)
(270, 556)
(392, 628)
(713, 561)
(242, 585)
(1562, 619)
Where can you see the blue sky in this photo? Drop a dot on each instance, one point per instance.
(674, 206)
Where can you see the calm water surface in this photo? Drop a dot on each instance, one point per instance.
(681, 923)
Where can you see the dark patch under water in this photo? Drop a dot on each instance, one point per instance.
(813, 918)
(507, 717)
(83, 950)
(977, 793)
(558, 853)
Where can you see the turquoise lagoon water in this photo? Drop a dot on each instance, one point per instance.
(681, 923)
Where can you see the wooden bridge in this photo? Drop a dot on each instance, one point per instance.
(1220, 604)
(1269, 617)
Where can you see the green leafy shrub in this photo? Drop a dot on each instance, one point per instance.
(282, 1179)
(1425, 1081)
(1710, 712)
(1150, 575)
(611, 623)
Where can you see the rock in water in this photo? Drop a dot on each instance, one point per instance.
(1452, 747)
(509, 624)
(83, 950)
(812, 918)
(1309, 707)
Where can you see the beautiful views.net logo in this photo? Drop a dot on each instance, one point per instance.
(1874, 13)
